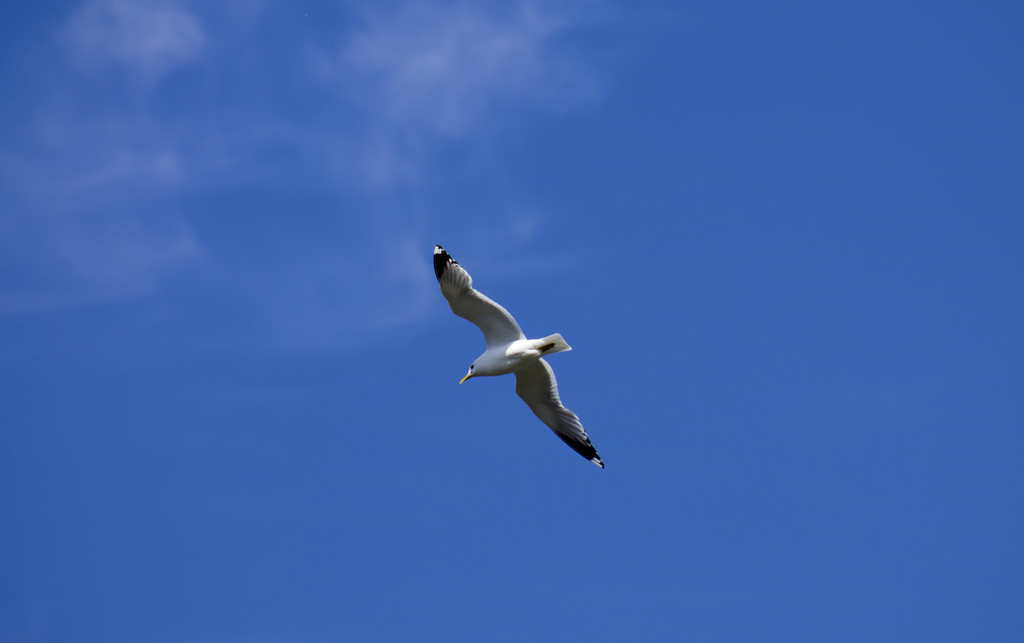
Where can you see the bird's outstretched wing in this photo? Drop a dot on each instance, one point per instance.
(498, 326)
(537, 386)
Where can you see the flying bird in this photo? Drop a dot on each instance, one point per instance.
(509, 351)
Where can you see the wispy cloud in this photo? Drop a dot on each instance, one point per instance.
(148, 37)
(113, 142)
(428, 74)
(447, 70)
(89, 174)
(58, 261)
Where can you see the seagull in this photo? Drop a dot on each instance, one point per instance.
(509, 351)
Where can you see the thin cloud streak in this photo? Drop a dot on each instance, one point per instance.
(148, 37)
(444, 71)
(90, 176)
(74, 260)
(426, 76)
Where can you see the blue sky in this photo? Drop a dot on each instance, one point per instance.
(784, 241)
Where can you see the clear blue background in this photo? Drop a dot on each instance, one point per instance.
(784, 241)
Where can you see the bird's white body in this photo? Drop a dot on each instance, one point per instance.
(502, 360)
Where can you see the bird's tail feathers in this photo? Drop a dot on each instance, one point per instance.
(553, 344)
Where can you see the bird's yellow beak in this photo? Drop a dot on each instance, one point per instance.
(468, 375)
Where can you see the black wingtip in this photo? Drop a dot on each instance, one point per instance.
(441, 260)
(585, 449)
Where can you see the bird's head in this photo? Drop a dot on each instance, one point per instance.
(469, 374)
